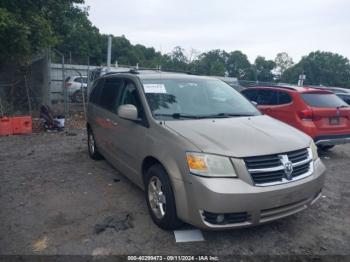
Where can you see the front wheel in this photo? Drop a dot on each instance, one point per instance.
(325, 148)
(92, 148)
(160, 198)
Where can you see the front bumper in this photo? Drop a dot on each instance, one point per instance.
(331, 140)
(260, 204)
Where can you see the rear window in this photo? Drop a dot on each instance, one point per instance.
(323, 100)
(81, 80)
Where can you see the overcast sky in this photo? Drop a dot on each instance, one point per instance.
(255, 27)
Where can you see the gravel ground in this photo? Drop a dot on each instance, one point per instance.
(52, 196)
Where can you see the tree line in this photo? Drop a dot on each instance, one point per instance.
(27, 27)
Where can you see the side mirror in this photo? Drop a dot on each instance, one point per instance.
(128, 112)
(254, 103)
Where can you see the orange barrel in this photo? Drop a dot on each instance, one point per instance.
(5, 126)
(22, 125)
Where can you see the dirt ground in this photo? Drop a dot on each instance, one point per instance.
(52, 195)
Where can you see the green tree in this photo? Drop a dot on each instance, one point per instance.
(283, 61)
(81, 39)
(263, 69)
(321, 68)
(238, 65)
(176, 60)
(26, 27)
(210, 63)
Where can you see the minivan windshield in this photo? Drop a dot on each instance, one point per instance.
(190, 98)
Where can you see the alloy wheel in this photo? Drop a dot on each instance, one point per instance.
(156, 197)
(91, 143)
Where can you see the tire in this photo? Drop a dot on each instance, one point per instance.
(77, 97)
(160, 198)
(92, 148)
(325, 148)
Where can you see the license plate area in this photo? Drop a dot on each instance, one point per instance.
(333, 121)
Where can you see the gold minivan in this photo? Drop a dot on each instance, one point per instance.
(202, 152)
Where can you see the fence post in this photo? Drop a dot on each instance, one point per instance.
(88, 76)
(65, 91)
(46, 89)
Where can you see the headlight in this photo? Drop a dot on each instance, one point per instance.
(314, 151)
(210, 165)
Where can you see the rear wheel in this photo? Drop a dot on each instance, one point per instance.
(77, 97)
(92, 148)
(325, 148)
(160, 198)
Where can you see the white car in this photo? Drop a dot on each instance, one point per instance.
(74, 85)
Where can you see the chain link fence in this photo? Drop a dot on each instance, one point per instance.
(57, 80)
(68, 82)
(22, 89)
(47, 80)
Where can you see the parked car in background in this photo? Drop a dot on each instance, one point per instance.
(201, 151)
(74, 85)
(343, 93)
(232, 81)
(319, 113)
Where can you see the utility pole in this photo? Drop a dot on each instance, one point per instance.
(109, 52)
(302, 77)
(64, 90)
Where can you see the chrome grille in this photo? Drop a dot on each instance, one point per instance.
(262, 162)
(297, 156)
(272, 169)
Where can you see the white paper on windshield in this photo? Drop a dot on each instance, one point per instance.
(155, 88)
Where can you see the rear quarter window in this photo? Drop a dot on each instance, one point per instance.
(323, 100)
(284, 98)
(96, 91)
(250, 94)
(345, 98)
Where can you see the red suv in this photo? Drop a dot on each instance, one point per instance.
(318, 113)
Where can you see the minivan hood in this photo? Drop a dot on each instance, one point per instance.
(241, 136)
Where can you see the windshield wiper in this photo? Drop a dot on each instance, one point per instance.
(219, 115)
(225, 115)
(178, 116)
(342, 106)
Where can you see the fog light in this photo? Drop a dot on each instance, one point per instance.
(220, 219)
(226, 218)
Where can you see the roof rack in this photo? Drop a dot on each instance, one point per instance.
(132, 71)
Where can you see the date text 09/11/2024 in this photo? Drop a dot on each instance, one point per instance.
(173, 258)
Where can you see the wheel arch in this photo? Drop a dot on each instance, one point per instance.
(147, 163)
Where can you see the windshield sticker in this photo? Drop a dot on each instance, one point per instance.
(155, 88)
